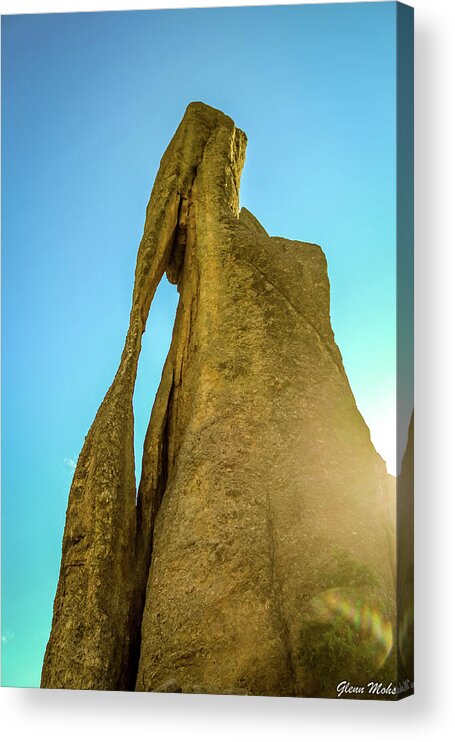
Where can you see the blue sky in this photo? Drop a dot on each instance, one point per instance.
(89, 103)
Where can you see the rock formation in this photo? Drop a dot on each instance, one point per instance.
(261, 510)
(405, 561)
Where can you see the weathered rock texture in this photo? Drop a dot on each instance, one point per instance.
(259, 480)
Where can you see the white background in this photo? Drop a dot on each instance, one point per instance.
(70, 715)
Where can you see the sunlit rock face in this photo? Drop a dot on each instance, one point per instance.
(259, 557)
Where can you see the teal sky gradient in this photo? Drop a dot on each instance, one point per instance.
(89, 103)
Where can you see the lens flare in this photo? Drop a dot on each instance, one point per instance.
(364, 618)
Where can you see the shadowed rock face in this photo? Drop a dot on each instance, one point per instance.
(405, 560)
(259, 480)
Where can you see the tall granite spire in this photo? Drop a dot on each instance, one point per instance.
(262, 507)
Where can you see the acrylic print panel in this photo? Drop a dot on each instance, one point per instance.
(221, 502)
